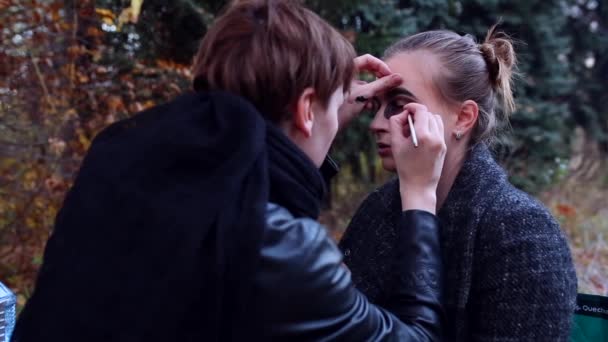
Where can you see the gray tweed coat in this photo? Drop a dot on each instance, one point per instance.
(509, 271)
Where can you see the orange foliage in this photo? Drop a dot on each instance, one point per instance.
(59, 86)
(565, 210)
(580, 207)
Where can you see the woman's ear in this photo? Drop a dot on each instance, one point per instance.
(467, 117)
(303, 115)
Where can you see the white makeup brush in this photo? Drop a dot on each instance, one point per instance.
(414, 139)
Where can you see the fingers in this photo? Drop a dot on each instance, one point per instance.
(386, 79)
(440, 126)
(436, 126)
(436, 140)
(415, 107)
(428, 126)
(422, 120)
(433, 128)
(428, 158)
(441, 132)
(372, 64)
(380, 85)
(397, 123)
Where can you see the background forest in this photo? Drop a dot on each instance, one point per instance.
(69, 68)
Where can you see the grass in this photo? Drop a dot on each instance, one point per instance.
(582, 210)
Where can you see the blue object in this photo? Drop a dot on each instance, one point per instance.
(7, 313)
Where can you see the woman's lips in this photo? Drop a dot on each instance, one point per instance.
(384, 150)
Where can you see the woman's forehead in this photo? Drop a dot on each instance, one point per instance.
(418, 70)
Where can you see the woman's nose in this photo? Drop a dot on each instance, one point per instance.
(380, 123)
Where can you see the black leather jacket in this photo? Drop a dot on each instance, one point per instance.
(304, 292)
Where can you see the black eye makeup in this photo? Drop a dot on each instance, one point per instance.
(395, 105)
(395, 99)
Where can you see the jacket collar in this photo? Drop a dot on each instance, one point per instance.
(479, 174)
(474, 189)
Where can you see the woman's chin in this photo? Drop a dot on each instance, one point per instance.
(388, 164)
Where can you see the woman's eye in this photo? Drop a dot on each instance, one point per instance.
(394, 107)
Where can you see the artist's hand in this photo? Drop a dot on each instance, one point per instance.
(419, 168)
(365, 91)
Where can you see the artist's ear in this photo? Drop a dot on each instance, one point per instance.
(303, 114)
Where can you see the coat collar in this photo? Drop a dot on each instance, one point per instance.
(474, 190)
(479, 174)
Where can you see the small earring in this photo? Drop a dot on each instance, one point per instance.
(458, 135)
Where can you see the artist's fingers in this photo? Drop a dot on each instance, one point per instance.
(372, 64)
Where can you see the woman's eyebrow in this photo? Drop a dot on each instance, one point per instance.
(401, 91)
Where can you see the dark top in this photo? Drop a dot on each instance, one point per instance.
(509, 271)
(304, 292)
(166, 235)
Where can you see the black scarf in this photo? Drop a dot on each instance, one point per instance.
(159, 236)
(295, 182)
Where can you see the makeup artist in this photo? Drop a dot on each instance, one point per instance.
(196, 220)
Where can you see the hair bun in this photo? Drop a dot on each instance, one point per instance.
(487, 51)
(497, 50)
(499, 55)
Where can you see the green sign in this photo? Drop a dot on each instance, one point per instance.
(590, 319)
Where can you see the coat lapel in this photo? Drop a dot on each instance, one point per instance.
(461, 216)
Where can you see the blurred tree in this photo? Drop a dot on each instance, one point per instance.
(64, 76)
(588, 23)
(539, 140)
(557, 41)
(69, 68)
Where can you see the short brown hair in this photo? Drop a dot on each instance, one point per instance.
(269, 51)
(479, 72)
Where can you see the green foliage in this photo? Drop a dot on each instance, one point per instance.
(556, 90)
(69, 68)
(588, 57)
(552, 93)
